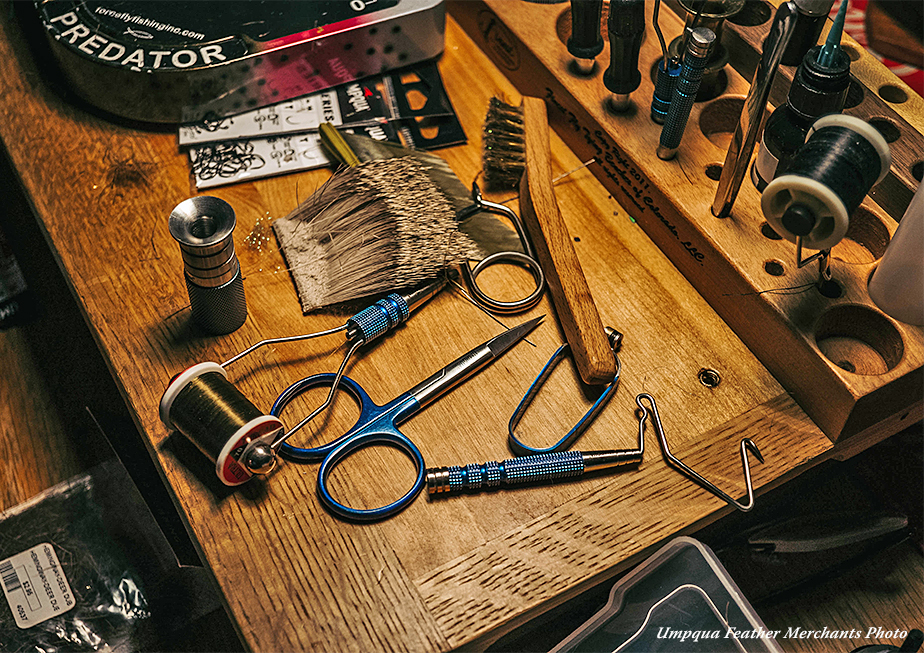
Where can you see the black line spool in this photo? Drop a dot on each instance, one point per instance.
(842, 158)
(204, 406)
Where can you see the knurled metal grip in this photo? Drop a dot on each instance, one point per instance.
(221, 309)
(668, 73)
(203, 228)
(699, 46)
(381, 317)
(527, 469)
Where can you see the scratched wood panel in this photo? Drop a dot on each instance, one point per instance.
(293, 576)
(33, 436)
(574, 544)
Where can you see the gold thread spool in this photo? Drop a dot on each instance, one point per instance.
(208, 409)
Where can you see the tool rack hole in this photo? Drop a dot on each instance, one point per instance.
(917, 170)
(774, 268)
(752, 14)
(865, 241)
(830, 288)
(889, 130)
(855, 95)
(892, 93)
(859, 340)
(653, 73)
(851, 51)
(719, 118)
(714, 171)
(768, 232)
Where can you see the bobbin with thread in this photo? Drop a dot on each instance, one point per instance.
(202, 404)
(841, 160)
(202, 226)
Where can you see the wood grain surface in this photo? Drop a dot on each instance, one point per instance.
(26, 407)
(847, 364)
(574, 305)
(444, 573)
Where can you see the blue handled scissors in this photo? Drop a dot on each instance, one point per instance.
(379, 424)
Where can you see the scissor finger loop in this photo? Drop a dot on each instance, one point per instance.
(378, 425)
(336, 382)
(373, 427)
(353, 444)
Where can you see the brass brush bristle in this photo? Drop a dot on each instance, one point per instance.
(503, 153)
(371, 229)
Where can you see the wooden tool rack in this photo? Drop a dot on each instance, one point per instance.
(850, 367)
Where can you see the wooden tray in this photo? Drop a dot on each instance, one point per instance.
(851, 368)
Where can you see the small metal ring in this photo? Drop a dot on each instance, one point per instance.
(518, 258)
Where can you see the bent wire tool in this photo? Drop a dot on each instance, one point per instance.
(554, 463)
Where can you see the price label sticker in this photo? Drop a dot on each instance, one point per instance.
(35, 586)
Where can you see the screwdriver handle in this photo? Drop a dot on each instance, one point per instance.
(625, 27)
(585, 41)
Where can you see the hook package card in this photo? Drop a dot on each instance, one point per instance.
(409, 107)
(84, 567)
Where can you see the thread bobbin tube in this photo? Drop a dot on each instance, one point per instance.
(215, 416)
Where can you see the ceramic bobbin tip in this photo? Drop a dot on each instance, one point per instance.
(259, 458)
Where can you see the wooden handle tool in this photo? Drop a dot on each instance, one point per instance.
(571, 296)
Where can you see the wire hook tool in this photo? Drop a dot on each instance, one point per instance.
(746, 445)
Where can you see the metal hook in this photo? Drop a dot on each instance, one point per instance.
(746, 445)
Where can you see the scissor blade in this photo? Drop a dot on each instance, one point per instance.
(501, 343)
(466, 365)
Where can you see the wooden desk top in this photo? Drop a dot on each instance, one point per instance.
(444, 573)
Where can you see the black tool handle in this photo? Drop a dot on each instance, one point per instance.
(625, 28)
(586, 41)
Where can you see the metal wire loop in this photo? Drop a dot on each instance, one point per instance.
(521, 449)
(746, 445)
(526, 259)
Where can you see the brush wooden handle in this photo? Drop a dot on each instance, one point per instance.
(573, 302)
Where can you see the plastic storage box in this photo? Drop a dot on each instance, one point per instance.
(681, 599)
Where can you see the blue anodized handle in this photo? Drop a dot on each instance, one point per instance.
(375, 425)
